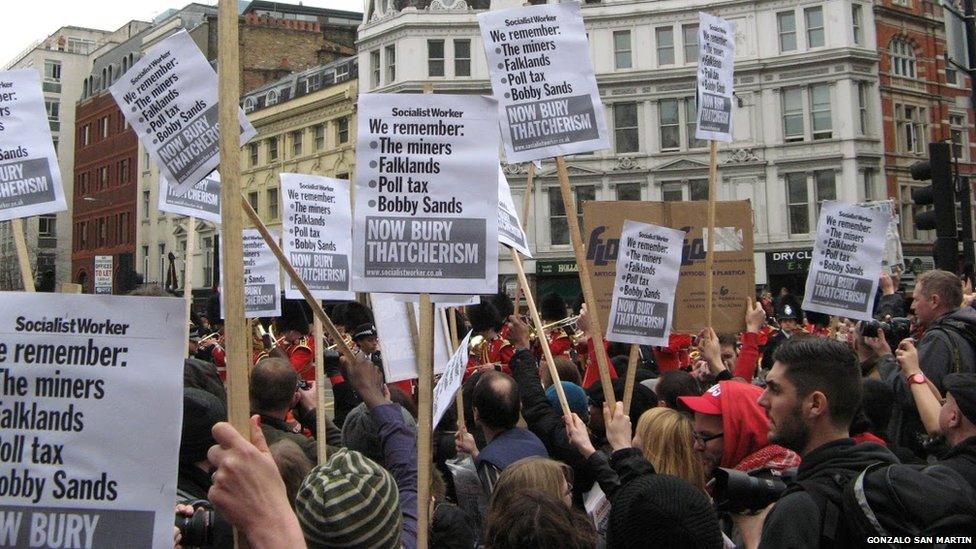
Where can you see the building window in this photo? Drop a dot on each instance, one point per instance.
(53, 114)
(342, 130)
(390, 64)
(625, 128)
(629, 191)
(272, 149)
(672, 192)
(820, 111)
(902, 58)
(124, 170)
(670, 124)
(104, 124)
(815, 26)
(162, 263)
(52, 70)
(691, 124)
(103, 178)
(862, 106)
(435, 58)
(680, 191)
(957, 132)
(272, 203)
(621, 50)
(248, 104)
(124, 227)
(80, 45)
(690, 35)
(296, 143)
(792, 114)
(665, 45)
(252, 149)
(786, 25)
(856, 24)
(911, 124)
(868, 183)
(145, 204)
(86, 135)
(558, 224)
(252, 199)
(319, 137)
(462, 58)
(797, 203)
(271, 98)
(826, 188)
(374, 65)
(47, 231)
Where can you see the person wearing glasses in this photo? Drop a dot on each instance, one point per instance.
(731, 430)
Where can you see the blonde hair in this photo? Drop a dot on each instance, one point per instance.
(537, 473)
(666, 441)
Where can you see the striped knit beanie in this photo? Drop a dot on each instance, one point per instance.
(349, 502)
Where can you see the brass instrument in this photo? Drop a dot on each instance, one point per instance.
(566, 324)
(476, 344)
(347, 338)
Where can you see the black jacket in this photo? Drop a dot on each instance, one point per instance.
(962, 459)
(192, 484)
(546, 423)
(801, 517)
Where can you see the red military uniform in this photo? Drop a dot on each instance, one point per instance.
(301, 354)
(496, 350)
(559, 343)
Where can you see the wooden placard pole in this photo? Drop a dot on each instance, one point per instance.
(413, 328)
(541, 335)
(23, 259)
(596, 329)
(526, 204)
(320, 425)
(631, 376)
(425, 395)
(459, 396)
(191, 237)
(237, 339)
(709, 253)
(317, 309)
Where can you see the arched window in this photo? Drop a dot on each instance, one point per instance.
(248, 104)
(902, 58)
(125, 64)
(110, 77)
(272, 98)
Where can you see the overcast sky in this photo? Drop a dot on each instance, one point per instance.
(25, 21)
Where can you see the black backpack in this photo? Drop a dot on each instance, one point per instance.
(962, 330)
(895, 505)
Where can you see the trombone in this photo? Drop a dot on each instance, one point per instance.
(567, 324)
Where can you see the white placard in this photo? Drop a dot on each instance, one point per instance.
(262, 277)
(447, 299)
(81, 375)
(541, 74)
(396, 341)
(103, 274)
(317, 225)
(426, 194)
(648, 266)
(450, 381)
(169, 97)
(510, 232)
(846, 264)
(716, 58)
(30, 178)
(893, 260)
(201, 201)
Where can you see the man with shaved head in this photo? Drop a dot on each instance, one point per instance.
(274, 392)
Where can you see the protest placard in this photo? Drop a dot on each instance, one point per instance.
(262, 277)
(317, 225)
(426, 215)
(73, 368)
(450, 381)
(169, 97)
(843, 276)
(201, 201)
(510, 232)
(734, 272)
(103, 274)
(893, 259)
(446, 299)
(716, 56)
(396, 341)
(647, 275)
(30, 179)
(540, 71)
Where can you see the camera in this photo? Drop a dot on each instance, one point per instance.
(197, 530)
(737, 491)
(895, 329)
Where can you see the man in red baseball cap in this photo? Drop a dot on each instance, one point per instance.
(731, 430)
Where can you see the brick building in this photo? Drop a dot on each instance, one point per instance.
(106, 151)
(924, 99)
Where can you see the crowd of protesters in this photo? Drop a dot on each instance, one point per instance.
(815, 410)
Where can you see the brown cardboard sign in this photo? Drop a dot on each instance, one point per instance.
(734, 271)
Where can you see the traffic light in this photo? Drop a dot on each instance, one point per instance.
(941, 195)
